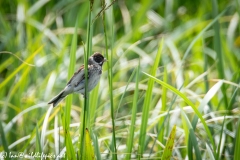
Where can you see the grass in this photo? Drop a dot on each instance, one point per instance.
(190, 80)
(108, 34)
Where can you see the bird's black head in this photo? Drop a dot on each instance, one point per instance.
(97, 58)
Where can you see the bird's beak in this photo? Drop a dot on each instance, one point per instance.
(105, 60)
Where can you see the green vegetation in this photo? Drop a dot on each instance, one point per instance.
(170, 63)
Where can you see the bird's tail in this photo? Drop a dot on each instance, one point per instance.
(57, 99)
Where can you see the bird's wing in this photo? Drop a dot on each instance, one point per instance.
(77, 77)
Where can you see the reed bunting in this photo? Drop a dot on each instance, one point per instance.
(77, 83)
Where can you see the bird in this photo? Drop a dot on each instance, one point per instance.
(77, 83)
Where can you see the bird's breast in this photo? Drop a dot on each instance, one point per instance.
(94, 78)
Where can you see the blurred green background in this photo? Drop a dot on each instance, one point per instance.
(201, 46)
